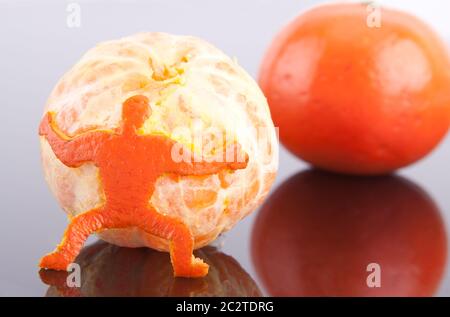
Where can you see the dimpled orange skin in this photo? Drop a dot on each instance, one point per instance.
(355, 99)
(318, 232)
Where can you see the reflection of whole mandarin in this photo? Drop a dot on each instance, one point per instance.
(358, 99)
(108, 270)
(318, 232)
(108, 139)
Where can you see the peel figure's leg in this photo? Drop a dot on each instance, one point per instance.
(78, 230)
(184, 263)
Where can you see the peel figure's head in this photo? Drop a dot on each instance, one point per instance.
(135, 111)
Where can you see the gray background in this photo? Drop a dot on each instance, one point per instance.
(37, 48)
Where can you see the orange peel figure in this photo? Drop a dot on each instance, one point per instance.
(128, 174)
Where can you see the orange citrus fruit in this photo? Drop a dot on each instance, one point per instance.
(352, 97)
(106, 140)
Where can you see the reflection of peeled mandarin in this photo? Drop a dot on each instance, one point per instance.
(192, 87)
(108, 270)
(316, 235)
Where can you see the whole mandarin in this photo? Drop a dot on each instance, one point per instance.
(354, 94)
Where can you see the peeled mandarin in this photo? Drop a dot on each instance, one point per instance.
(192, 88)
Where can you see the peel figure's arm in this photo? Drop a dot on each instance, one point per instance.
(75, 151)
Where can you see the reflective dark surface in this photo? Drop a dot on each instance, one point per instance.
(318, 233)
(108, 270)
